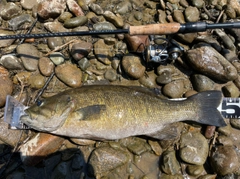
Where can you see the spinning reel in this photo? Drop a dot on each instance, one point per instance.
(160, 53)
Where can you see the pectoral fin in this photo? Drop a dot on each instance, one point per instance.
(89, 112)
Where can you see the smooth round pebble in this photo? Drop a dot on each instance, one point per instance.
(149, 80)
(170, 164)
(110, 75)
(191, 14)
(84, 64)
(46, 66)
(69, 74)
(57, 58)
(29, 55)
(54, 42)
(195, 170)
(80, 50)
(11, 62)
(224, 160)
(36, 81)
(164, 78)
(75, 22)
(174, 89)
(133, 66)
(193, 148)
(202, 83)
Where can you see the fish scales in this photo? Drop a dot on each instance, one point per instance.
(108, 112)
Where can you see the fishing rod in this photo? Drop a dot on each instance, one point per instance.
(150, 29)
(157, 53)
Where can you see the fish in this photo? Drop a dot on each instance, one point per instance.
(110, 112)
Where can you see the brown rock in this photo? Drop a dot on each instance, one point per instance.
(208, 61)
(51, 8)
(133, 66)
(75, 8)
(80, 50)
(46, 66)
(137, 43)
(6, 87)
(39, 147)
(70, 74)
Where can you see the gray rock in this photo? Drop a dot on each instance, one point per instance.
(202, 83)
(96, 8)
(117, 20)
(17, 21)
(10, 10)
(105, 159)
(8, 42)
(11, 62)
(193, 148)
(29, 56)
(75, 22)
(84, 63)
(110, 75)
(54, 42)
(170, 164)
(208, 61)
(228, 43)
(104, 26)
(57, 58)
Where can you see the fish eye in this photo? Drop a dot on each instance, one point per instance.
(39, 102)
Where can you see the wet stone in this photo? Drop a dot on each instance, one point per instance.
(29, 56)
(11, 62)
(102, 52)
(6, 85)
(202, 83)
(75, 8)
(164, 78)
(178, 16)
(191, 14)
(104, 26)
(224, 160)
(224, 140)
(193, 148)
(155, 147)
(80, 50)
(84, 63)
(230, 90)
(195, 170)
(105, 159)
(54, 42)
(208, 61)
(51, 8)
(46, 66)
(170, 164)
(16, 22)
(10, 10)
(96, 8)
(117, 20)
(174, 89)
(28, 4)
(69, 74)
(57, 58)
(36, 81)
(75, 22)
(8, 42)
(149, 80)
(133, 66)
(64, 16)
(110, 75)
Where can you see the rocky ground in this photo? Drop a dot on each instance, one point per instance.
(209, 61)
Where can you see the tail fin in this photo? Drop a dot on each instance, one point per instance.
(208, 112)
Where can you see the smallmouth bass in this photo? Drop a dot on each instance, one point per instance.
(108, 112)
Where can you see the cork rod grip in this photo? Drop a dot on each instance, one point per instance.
(155, 29)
